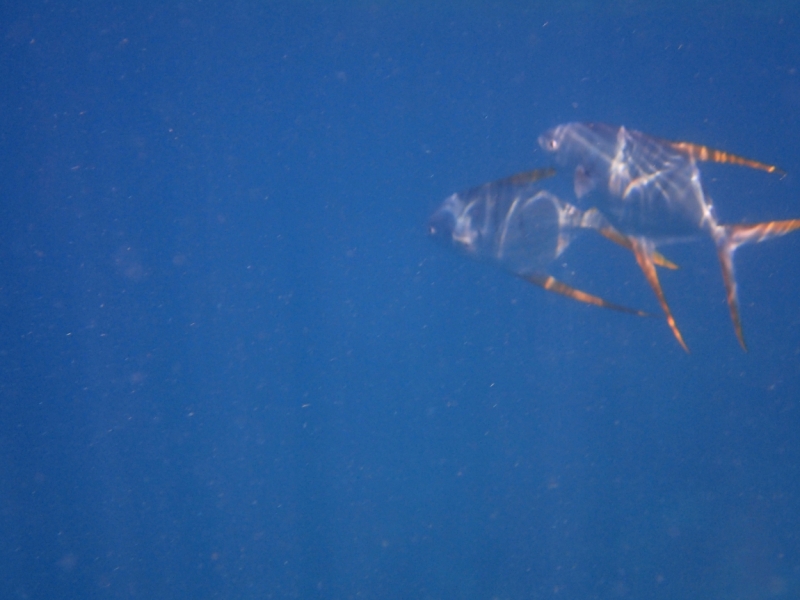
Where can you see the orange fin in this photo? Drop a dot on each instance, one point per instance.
(527, 177)
(704, 153)
(625, 241)
(644, 257)
(593, 219)
(551, 284)
(725, 254)
(759, 232)
(734, 236)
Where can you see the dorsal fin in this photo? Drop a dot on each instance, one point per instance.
(527, 177)
(706, 154)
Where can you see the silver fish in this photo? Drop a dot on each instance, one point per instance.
(523, 228)
(651, 192)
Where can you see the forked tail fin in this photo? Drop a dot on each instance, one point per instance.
(728, 239)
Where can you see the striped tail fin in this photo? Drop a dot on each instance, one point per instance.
(728, 239)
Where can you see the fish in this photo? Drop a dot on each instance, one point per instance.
(650, 190)
(522, 227)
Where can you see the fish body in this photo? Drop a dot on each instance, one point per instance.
(650, 190)
(646, 187)
(516, 224)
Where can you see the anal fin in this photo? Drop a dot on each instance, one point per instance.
(594, 219)
(551, 284)
(644, 257)
(625, 241)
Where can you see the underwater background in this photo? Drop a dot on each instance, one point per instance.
(234, 365)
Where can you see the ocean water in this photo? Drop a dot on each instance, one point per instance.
(234, 365)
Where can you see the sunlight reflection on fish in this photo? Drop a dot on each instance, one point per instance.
(650, 191)
(515, 223)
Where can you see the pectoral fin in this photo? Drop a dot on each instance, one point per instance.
(583, 182)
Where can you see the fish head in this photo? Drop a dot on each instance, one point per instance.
(552, 140)
(452, 222)
(443, 222)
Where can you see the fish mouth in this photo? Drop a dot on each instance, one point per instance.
(442, 223)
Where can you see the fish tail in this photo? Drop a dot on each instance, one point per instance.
(725, 250)
(728, 239)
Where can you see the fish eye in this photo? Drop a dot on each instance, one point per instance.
(552, 144)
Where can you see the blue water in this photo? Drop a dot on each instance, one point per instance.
(233, 365)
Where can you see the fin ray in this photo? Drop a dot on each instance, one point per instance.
(706, 154)
(551, 284)
(594, 219)
(729, 238)
(643, 254)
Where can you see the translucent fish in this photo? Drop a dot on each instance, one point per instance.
(650, 190)
(523, 228)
